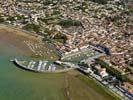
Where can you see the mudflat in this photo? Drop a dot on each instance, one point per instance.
(14, 37)
(72, 85)
(82, 87)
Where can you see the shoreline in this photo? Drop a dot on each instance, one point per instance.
(11, 35)
(16, 62)
(19, 31)
(76, 81)
(69, 95)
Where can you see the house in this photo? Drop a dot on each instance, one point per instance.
(127, 86)
(101, 71)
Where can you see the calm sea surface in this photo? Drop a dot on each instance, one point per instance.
(18, 84)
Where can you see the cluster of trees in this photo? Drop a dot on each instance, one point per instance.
(68, 22)
(20, 17)
(49, 20)
(1, 20)
(62, 22)
(32, 27)
(130, 10)
(11, 18)
(48, 2)
(112, 70)
(100, 1)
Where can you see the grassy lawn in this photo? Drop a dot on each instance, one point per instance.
(82, 87)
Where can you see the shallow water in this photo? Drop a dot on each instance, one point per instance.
(18, 84)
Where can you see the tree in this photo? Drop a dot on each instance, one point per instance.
(10, 18)
(1, 20)
(69, 22)
(100, 1)
(112, 70)
(32, 27)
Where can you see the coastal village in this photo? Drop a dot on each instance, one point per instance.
(74, 27)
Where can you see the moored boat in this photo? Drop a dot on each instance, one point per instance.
(40, 66)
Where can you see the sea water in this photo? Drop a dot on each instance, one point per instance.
(18, 84)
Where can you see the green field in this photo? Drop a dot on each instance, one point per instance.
(81, 87)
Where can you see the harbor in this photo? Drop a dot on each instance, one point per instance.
(41, 66)
(65, 63)
(25, 85)
(17, 83)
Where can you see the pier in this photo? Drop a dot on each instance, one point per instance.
(88, 52)
(41, 67)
